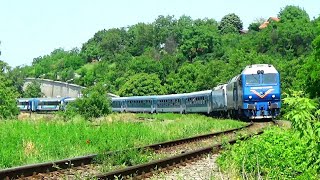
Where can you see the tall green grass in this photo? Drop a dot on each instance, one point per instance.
(26, 142)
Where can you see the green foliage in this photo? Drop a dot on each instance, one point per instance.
(292, 13)
(142, 84)
(230, 23)
(33, 90)
(305, 116)
(59, 65)
(141, 37)
(310, 71)
(94, 103)
(163, 47)
(279, 153)
(294, 37)
(163, 27)
(200, 39)
(29, 142)
(254, 26)
(186, 79)
(276, 154)
(8, 95)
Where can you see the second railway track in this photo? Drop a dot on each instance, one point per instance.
(175, 151)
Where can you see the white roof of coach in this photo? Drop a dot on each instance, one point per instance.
(252, 69)
(163, 96)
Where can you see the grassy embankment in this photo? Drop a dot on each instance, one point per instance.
(32, 141)
(280, 153)
(276, 154)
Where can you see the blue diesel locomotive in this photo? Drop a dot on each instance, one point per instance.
(253, 94)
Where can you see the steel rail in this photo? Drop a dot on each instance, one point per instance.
(29, 170)
(146, 168)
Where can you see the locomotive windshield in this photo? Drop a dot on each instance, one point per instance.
(269, 78)
(252, 79)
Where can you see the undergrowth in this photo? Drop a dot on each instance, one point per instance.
(280, 153)
(26, 142)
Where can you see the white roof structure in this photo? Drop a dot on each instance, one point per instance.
(253, 69)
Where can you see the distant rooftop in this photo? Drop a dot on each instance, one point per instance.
(266, 23)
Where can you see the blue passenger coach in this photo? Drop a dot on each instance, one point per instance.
(26, 104)
(49, 104)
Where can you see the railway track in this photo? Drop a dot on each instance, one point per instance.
(182, 153)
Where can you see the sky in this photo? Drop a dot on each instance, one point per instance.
(33, 28)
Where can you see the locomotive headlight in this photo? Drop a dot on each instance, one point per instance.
(250, 97)
(273, 96)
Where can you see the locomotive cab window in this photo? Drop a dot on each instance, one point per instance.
(269, 78)
(252, 79)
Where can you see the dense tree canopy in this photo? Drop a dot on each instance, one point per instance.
(293, 13)
(230, 23)
(173, 55)
(142, 84)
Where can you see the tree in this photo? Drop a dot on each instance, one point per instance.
(310, 72)
(114, 41)
(163, 28)
(254, 26)
(144, 64)
(93, 104)
(33, 90)
(293, 37)
(141, 37)
(293, 13)
(142, 84)
(200, 39)
(230, 23)
(186, 79)
(8, 95)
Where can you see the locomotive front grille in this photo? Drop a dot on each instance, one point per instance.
(251, 107)
(273, 106)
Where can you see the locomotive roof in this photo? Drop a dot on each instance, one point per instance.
(252, 69)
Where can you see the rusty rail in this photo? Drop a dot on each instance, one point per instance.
(142, 169)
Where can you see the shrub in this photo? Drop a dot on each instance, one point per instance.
(33, 90)
(8, 95)
(94, 103)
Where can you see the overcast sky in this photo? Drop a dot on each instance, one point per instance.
(34, 28)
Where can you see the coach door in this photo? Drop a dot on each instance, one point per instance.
(235, 95)
(183, 105)
(208, 101)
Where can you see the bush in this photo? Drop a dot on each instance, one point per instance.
(94, 103)
(33, 90)
(8, 95)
